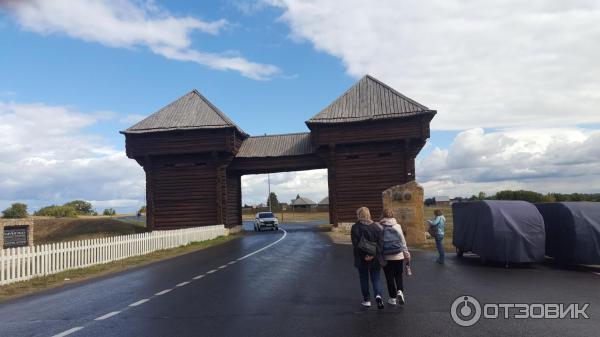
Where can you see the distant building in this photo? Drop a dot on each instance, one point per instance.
(442, 200)
(303, 203)
(323, 205)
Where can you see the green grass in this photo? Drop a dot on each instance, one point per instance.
(77, 275)
(50, 230)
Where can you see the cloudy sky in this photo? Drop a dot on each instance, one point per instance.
(515, 85)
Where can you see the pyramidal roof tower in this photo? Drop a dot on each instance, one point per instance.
(192, 111)
(369, 99)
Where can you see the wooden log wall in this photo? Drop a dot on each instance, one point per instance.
(183, 195)
(361, 173)
(234, 200)
(368, 132)
(182, 142)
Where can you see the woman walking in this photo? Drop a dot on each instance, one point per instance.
(438, 226)
(395, 252)
(366, 241)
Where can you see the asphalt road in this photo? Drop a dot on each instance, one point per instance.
(303, 285)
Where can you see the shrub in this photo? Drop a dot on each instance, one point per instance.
(57, 211)
(15, 211)
(109, 211)
(142, 209)
(82, 207)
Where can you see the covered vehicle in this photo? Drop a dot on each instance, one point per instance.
(499, 230)
(572, 231)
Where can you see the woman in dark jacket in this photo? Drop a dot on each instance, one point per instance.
(368, 265)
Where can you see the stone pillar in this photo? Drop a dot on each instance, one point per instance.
(407, 202)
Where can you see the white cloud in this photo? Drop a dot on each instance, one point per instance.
(131, 119)
(49, 158)
(129, 24)
(479, 63)
(311, 184)
(543, 160)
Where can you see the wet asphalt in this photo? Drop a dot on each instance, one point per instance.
(304, 285)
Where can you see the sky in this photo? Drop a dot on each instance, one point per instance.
(515, 85)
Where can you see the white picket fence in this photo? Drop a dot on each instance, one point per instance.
(24, 263)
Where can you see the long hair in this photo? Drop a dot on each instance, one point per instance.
(387, 213)
(363, 213)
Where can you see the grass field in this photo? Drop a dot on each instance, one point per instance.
(49, 230)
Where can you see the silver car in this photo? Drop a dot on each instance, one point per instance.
(265, 220)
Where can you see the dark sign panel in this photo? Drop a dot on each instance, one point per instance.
(15, 236)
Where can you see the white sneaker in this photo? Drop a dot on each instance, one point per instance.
(366, 304)
(392, 301)
(400, 297)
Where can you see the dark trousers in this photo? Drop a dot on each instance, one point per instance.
(364, 274)
(393, 274)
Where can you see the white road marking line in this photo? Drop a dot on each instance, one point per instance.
(163, 292)
(109, 315)
(223, 266)
(265, 247)
(135, 304)
(68, 332)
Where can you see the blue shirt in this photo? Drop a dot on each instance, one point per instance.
(440, 222)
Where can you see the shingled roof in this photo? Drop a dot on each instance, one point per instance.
(189, 112)
(293, 144)
(369, 99)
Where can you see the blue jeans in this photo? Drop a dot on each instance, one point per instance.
(364, 274)
(440, 247)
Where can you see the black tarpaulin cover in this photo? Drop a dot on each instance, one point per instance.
(499, 230)
(572, 231)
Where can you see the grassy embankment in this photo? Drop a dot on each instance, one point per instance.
(49, 230)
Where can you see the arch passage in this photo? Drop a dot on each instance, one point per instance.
(194, 155)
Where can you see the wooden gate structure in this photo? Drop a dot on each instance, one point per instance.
(194, 155)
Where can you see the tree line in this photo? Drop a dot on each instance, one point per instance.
(532, 196)
(69, 210)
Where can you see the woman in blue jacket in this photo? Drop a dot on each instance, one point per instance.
(439, 222)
